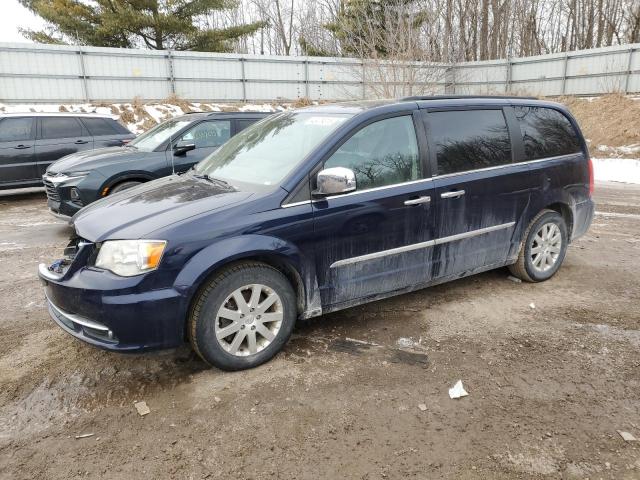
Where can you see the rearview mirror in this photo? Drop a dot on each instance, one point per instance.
(182, 148)
(334, 181)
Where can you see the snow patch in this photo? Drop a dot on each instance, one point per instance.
(616, 170)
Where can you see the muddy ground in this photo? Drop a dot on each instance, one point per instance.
(548, 386)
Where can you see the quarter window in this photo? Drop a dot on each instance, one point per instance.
(15, 129)
(99, 126)
(469, 140)
(546, 133)
(209, 134)
(382, 153)
(62, 127)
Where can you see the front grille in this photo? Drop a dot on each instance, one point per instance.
(52, 193)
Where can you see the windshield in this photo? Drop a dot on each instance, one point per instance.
(149, 141)
(267, 151)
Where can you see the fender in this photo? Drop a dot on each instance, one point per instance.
(231, 249)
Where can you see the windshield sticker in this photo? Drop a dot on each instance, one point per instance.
(323, 121)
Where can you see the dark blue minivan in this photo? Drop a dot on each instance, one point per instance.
(319, 209)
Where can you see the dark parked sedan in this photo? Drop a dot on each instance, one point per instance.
(29, 142)
(173, 146)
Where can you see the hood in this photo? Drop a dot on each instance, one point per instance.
(93, 159)
(138, 211)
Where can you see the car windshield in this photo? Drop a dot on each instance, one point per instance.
(267, 152)
(149, 141)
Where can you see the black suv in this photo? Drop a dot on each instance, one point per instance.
(171, 147)
(29, 142)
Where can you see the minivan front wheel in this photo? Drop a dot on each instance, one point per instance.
(543, 249)
(243, 316)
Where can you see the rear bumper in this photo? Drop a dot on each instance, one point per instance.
(582, 219)
(115, 313)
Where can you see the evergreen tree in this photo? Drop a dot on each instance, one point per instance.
(155, 24)
(369, 27)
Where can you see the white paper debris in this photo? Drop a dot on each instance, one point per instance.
(142, 408)
(532, 306)
(405, 342)
(84, 435)
(457, 391)
(422, 407)
(627, 437)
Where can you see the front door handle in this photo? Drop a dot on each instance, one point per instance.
(81, 142)
(454, 194)
(22, 147)
(418, 201)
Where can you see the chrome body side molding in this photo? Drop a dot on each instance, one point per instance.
(417, 246)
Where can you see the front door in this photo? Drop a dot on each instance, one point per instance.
(376, 239)
(207, 136)
(17, 137)
(481, 194)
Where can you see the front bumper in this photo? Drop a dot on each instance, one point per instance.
(114, 313)
(59, 200)
(59, 216)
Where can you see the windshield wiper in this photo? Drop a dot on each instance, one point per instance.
(206, 177)
(203, 176)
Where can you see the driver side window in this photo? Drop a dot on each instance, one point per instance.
(208, 134)
(382, 153)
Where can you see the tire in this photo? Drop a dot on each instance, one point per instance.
(539, 268)
(215, 311)
(124, 186)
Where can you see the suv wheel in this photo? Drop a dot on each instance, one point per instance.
(124, 186)
(243, 316)
(543, 249)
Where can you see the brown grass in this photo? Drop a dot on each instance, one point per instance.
(173, 99)
(302, 102)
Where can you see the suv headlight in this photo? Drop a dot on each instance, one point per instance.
(130, 257)
(65, 177)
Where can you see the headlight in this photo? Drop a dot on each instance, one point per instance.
(65, 177)
(130, 257)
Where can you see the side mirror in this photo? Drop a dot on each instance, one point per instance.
(181, 148)
(334, 181)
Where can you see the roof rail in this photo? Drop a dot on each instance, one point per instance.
(455, 97)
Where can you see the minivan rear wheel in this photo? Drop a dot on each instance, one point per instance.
(543, 249)
(243, 316)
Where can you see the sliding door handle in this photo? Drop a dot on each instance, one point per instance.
(454, 194)
(418, 201)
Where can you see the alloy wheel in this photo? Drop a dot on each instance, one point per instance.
(249, 320)
(546, 246)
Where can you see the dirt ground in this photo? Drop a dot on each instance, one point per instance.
(548, 386)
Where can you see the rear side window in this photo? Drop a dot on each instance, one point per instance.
(546, 133)
(469, 140)
(62, 127)
(99, 126)
(16, 129)
(382, 153)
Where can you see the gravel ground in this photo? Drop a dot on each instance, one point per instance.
(548, 386)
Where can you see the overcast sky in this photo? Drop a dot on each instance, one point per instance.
(13, 16)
